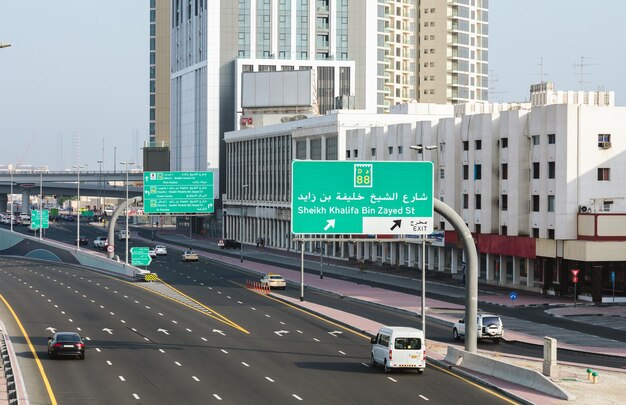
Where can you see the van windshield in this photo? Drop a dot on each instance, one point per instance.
(408, 343)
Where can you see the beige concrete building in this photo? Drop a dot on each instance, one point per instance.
(159, 72)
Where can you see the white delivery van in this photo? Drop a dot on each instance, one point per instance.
(399, 347)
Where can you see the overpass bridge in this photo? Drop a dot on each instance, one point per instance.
(92, 184)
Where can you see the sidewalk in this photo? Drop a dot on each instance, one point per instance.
(572, 377)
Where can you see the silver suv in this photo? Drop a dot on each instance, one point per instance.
(489, 327)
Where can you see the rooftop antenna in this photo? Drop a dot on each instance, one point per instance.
(493, 79)
(541, 73)
(582, 66)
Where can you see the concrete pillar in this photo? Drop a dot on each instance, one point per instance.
(26, 201)
(410, 259)
(430, 259)
(441, 262)
(4, 203)
(549, 357)
(503, 269)
(455, 262)
(530, 272)
(516, 270)
(489, 260)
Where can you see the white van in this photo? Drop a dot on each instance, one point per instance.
(399, 347)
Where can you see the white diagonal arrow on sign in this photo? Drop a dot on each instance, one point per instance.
(163, 330)
(51, 329)
(281, 332)
(335, 333)
(110, 331)
(330, 224)
(219, 331)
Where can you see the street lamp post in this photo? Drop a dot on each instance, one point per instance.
(78, 167)
(127, 235)
(241, 223)
(11, 218)
(40, 202)
(420, 149)
(4, 44)
(100, 188)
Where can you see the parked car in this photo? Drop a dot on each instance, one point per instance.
(101, 242)
(273, 280)
(231, 244)
(82, 240)
(190, 256)
(489, 327)
(399, 347)
(160, 250)
(66, 344)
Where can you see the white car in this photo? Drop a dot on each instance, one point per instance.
(101, 242)
(160, 250)
(273, 280)
(152, 252)
(489, 327)
(190, 256)
(123, 235)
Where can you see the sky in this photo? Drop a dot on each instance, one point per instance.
(74, 83)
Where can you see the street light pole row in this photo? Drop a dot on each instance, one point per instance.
(78, 167)
(127, 235)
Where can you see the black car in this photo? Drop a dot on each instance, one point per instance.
(82, 240)
(231, 244)
(66, 344)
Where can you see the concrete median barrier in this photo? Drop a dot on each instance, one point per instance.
(505, 371)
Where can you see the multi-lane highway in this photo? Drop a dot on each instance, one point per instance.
(145, 348)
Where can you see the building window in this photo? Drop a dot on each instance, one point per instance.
(550, 233)
(373, 151)
(301, 150)
(316, 149)
(535, 199)
(535, 232)
(465, 172)
(551, 139)
(477, 228)
(551, 170)
(465, 201)
(504, 202)
(478, 172)
(504, 172)
(465, 145)
(399, 150)
(535, 139)
(479, 144)
(604, 174)
(604, 141)
(442, 173)
(391, 150)
(535, 170)
(477, 201)
(504, 142)
(356, 153)
(503, 230)
(347, 154)
(550, 203)
(331, 148)
(606, 205)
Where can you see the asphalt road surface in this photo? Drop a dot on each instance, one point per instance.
(144, 348)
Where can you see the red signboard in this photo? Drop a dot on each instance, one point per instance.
(574, 279)
(575, 272)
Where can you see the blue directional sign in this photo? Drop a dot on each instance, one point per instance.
(513, 296)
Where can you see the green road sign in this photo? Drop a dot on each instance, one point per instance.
(348, 197)
(87, 213)
(39, 219)
(178, 192)
(139, 256)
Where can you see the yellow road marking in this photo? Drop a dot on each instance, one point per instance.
(218, 317)
(32, 349)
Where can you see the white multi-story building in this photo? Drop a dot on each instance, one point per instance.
(380, 52)
(539, 186)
